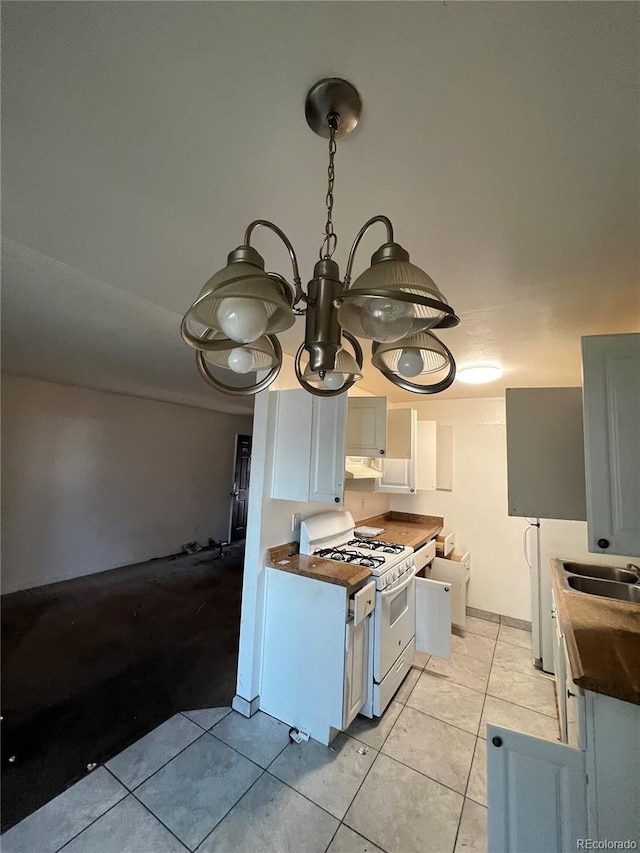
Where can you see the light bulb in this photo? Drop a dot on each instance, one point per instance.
(240, 360)
(386, 320)
(333, 380)
(242, 320)
(410, 362)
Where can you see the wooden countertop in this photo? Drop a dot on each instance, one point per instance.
(405, 528)
(602, 637)
(287, 559)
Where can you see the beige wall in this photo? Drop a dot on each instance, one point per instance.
(477, 507)
(94, 480)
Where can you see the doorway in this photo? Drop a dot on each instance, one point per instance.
(240, 492)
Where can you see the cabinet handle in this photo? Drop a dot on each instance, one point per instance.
(603, 543)
(496, 741)
(337, 500)
(382, 452)
(570, 694)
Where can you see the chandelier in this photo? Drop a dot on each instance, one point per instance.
(234, 321)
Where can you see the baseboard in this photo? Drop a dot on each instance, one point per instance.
(509, 621)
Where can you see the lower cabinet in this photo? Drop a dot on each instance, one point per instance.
(545, 796)
(315, 653)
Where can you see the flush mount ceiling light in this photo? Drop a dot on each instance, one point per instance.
(234, 321)
(478, 375)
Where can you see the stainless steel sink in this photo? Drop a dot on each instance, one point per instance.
(609, 573)
(607, 589)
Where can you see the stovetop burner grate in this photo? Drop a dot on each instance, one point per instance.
(343, 555)
(377, 545)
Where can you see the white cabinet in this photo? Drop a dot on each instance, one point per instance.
(406, 475)
(559, 669)
(309, 445)
(433, 617)
(366, 426)
(536, 794)
(611, 377)
(315, 654)
(546, 796)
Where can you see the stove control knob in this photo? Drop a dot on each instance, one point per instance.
(411, 561)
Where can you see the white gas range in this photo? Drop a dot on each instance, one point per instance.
(331, 536)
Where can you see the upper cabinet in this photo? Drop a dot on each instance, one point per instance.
(611, 379)
(407, 474)
(366, 426)
(309, 447)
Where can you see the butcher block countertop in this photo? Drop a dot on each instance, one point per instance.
(405, 528)
(603, 639)
(287, 559)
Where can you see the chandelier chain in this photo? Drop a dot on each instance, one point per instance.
(330, 240)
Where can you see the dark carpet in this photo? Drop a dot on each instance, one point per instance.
(92, 664)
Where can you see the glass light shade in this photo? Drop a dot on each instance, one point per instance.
(386, 319)
(387, 278)
(346, 368)
(260, 353)
(242, 297)
(423, 346)
(478, 375)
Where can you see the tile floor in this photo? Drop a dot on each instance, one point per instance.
(414, 780)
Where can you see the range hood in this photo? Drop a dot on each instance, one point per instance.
(361, 468)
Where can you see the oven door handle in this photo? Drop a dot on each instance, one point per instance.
(392, 590)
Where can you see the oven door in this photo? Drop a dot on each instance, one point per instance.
(395, 623)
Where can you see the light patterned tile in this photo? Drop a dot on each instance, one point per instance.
(482, 627)
(531, 691)
(127, 828)
(432, 747)
(477, 788)
(207, 717)
(403, 811)
(474, 646)
(195, 790)
(348, 841)
(65, 816)
(260, 738)
(472, 835)
(374, 732)
(460, 706)
(328, 777)
(136, 763)
(514, 657)
(272, 818)
(516, 636)
(500, 713)
(410, 681)
(462, 669)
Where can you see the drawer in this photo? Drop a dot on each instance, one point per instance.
(363, 602)
(445, 544)
(425, 554)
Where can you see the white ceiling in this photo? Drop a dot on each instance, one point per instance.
(139, 139)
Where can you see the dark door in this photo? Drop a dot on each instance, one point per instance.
(240, 493)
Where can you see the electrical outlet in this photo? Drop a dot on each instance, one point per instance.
(295, 522)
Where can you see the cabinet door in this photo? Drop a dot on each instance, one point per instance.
(426, 455)
(401, 432)
(326, 470)
(573, 701)
(559, 671)
(356, 669)
(611, 376)
(399, 477)
(367, 426)
(433, 617)
(536, 790)
(292, 430)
